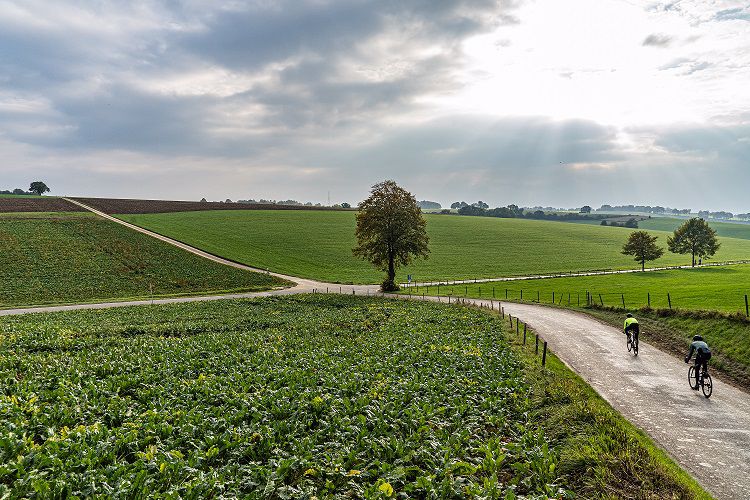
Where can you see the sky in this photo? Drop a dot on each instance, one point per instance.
(531, 102)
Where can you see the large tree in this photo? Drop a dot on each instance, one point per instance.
(642, 246)
(390, 230)
(38, 187)
(695, 237)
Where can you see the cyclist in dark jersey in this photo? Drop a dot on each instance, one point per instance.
(631, 326)
(702, 355)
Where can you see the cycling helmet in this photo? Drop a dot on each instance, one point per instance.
(697, 337)
(629, 315)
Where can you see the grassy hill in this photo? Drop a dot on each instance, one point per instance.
(325, 396)
(725, 229)
(50, 258)
(710, 288)
(318, 244)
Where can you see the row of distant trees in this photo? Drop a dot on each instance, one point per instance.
(705, 214)
(292, 203)
(481, 209)
(36, 187)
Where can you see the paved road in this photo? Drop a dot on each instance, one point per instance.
(651, 390)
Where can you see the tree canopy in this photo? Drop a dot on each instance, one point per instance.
(695, 237)
(38, 187)
(642, 246)
(390, 230)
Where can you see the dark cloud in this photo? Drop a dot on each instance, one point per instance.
(738, 14)
(657, 40)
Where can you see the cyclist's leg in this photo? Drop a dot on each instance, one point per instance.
(698, 367)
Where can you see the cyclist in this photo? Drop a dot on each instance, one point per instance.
(631, 325)
(702, 355)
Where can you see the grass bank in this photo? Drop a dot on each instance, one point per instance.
(57, 258)
(318, 245)
(720, 288)
(311, 395)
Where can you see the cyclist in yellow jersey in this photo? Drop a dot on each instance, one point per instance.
(631, 325)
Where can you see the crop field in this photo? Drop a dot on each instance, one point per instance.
(50, 258)
(24, 203)
(129, 206)
(725, 229)
(292, 397)
(316, 244)
(721, 288)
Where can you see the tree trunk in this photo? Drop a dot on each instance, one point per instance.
(391, 269)
(643, 265)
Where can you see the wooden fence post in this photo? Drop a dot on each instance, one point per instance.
(747, 308)
(522, 295)
(623, 300)
(568, 298)
(517, 328)
(506, 294)
(480, 292)
(537, 296)
(544, 354)
(524, 334)
(536, 346)
(579, 299)
(600, 299)
(553, 296)
(669, 300)
(649, 300)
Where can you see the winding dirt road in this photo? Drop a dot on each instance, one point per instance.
(651, 390)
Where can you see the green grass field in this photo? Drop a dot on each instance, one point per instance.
(77, 257)
(720, 288)
(318, 244)
(329, 396)
(723, 229)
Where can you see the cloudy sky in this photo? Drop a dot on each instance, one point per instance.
(510, 101)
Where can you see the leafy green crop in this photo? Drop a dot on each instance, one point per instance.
(268, 398)
(332, 396)
(68, 257)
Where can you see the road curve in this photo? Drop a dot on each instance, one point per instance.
(710, 438)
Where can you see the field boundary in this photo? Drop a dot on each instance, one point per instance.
(189, 248)
(572, 274)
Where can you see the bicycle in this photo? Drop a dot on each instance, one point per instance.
(632, 342)
(705, 382)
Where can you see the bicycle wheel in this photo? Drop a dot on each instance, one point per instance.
(707, 385)
(630, 344)
(692, 379)
(635, 346)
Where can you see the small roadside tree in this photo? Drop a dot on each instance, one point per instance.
(390, 230)
(585, 209)
(38, 187)
(695, 237)
(642, 246)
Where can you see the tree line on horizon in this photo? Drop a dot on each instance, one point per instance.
(35, 188)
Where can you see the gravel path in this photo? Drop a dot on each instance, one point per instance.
(651, 390)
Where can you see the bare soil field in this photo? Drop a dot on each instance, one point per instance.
(127, 206)
(37, 204)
